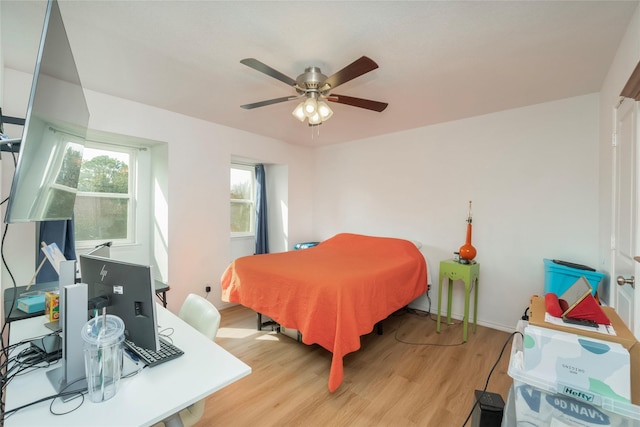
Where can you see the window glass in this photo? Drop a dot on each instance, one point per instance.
(242, 196)
(104, 171)
(104, 208)
(101, 218)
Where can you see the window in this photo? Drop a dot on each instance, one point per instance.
(104, 208)
(243, 198)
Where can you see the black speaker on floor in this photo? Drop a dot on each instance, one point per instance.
(489, 410)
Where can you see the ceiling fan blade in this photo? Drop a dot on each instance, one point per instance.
(358, 102)
(355, 69)
(263, 68)
(268, 102)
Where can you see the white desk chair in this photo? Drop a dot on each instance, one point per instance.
(203, 316)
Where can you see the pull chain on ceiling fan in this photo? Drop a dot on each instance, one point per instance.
(314, 89)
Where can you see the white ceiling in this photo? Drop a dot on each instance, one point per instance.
(438, 60)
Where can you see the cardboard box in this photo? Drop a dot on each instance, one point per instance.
(581, 367)
(52, 306)
(623, 337)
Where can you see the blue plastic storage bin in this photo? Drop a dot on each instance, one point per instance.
(305, 245)
(558, 278)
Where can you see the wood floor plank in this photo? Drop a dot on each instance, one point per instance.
(409, 376)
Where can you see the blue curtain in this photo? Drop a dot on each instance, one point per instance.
(262, 237)
(62, 233)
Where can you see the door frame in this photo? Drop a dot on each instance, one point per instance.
(626, 300)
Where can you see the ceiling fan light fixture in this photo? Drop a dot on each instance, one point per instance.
(310, 107)
(324, 110)
(298, 113)
(315, 119)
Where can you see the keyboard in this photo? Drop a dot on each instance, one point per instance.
(166, 352)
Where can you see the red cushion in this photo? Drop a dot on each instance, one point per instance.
(553, 304)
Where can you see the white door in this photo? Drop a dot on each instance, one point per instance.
(625, 215)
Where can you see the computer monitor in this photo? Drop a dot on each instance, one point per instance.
(46, 177)
(127, 290)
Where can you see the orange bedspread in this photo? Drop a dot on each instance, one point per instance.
(332, 293)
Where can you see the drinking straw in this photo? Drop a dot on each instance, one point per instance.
(103, 330)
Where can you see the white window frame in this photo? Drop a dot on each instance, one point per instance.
(131, 195)
(252, 201)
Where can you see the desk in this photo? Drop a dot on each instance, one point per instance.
(19, 290)
(468, 274)
(161, 289)
(142, 400)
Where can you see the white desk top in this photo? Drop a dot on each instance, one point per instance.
(144, 399)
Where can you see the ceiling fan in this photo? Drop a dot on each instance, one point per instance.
(313, 88)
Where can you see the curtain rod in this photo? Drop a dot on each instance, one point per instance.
(233, 162)
(54, 130)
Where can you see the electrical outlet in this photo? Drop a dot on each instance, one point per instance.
(207, 289)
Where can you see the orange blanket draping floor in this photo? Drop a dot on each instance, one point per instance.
(332, 293)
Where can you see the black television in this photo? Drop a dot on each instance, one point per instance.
(48, 167)
(126, 290)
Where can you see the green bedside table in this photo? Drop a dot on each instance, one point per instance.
(468, 274)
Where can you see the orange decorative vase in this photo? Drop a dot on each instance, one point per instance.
(467, 251)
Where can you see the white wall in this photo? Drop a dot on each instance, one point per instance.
(277, 177)
(532, 174)
(159, 225)
(625, 61)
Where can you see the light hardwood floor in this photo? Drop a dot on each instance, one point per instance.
(386, 383)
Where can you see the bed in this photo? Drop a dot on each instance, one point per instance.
(332, 293)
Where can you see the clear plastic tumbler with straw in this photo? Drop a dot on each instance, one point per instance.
(103, 337)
